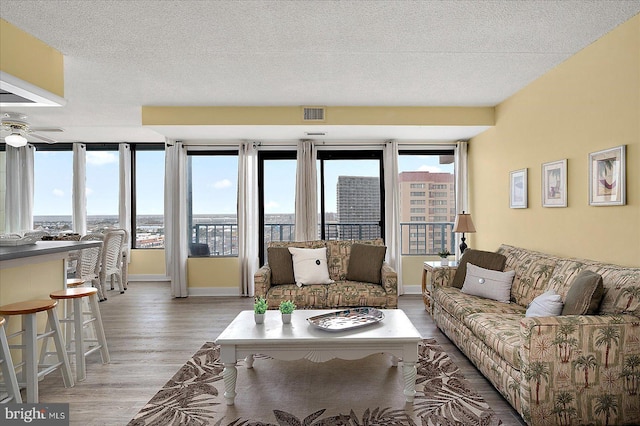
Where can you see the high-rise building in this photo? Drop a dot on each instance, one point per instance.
(358, 205)
(427, 211)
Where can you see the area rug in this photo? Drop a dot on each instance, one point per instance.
(303, 393)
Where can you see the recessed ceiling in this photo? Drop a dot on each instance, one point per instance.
(122, 55)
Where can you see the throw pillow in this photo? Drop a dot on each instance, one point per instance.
(548, 304)
(486, 283)
(584, 295)
(483, 259)
(310, 266)
(365, 263)
(281, 265)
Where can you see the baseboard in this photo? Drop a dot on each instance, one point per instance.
(214, 291)
(148, 277)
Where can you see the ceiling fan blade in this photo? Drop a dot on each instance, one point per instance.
(42, 138)
(47, 129)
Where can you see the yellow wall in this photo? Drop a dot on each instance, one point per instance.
(219, 272)
(147, 262)
(29, 59)
(588, 103)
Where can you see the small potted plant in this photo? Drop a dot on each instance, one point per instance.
(443, 256)
(259, 308)
(286, 309)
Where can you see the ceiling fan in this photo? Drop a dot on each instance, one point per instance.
(17, 131)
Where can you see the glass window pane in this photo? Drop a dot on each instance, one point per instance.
(149, 220)
(279, 198)
(427, 202)
(212, 211)
(352, 200)
(52, 198)
(102, 190)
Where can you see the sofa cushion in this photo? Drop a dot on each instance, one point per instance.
(281, 264)
(353, 293)
(548, 304)
(500, 332)
(460, 305)
(585, 294)
(310, 266)
(338, 253)
(365, 263)
(482, 282)
(621, 288)
(308, 296)
(483, 259)
(533, 273)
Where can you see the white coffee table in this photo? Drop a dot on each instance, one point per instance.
(394, 335)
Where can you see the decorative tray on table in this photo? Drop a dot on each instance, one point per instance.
(17, 240)
(347, 319)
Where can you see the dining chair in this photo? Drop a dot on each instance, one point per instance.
(110, 261)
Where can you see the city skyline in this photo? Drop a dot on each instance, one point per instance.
(53, 196)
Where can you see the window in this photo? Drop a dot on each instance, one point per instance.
(212, 182)
(418, 210)
(103, 187)
(52, 192)
(277, 197)
(351, 195)
(147, 161)
(434, 170)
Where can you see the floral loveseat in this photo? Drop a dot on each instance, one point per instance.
(341, 293)
(557, 370)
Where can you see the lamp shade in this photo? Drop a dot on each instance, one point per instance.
(16, 140)
(464, 223)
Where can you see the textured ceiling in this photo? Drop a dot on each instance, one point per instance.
(121, 55)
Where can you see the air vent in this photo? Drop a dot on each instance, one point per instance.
(313, 114)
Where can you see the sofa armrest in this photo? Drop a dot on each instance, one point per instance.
(579, 352)
(443, 277)
(389, 279)
(262, 281)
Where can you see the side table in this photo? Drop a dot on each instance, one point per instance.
(434, 272)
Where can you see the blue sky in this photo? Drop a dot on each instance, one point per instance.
(214, 182)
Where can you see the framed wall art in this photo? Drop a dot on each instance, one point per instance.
(518, 185)
(607, 177)
(554, 184)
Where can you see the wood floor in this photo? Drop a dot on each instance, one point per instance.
(150, 335)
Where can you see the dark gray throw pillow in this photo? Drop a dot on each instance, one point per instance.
(281, 265)
(365, 263)
(585, 294)
(483, 259)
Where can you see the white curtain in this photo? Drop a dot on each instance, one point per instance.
(125, 192)
(175, 216)
(306, 193)
(19, 192)
(79, 188)
(247, 216)
(393, 234)
(462, 184)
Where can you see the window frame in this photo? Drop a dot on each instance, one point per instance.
(135, 148)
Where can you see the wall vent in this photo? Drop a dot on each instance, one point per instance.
(312, 113)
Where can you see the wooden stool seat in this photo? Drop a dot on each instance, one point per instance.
(30, 369)
(7, 368)
(75, 282)
(73, 293)
(27, 307)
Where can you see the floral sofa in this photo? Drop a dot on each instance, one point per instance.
(341, 293)
(558, 370)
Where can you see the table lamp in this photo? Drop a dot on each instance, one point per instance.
(463, 224)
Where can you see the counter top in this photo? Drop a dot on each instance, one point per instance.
(43, 247)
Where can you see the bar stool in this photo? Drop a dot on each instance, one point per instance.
(8, 370)
(30, 368)
(76, 316)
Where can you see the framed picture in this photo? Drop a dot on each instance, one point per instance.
(518, 197)
(607, 177)
(554, 184)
